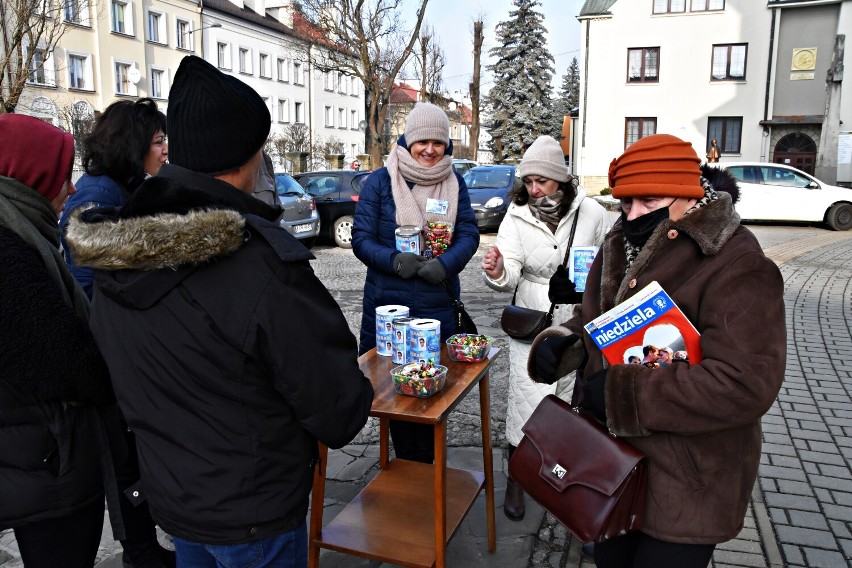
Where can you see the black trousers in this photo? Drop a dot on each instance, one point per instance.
(413, 441)
(638, 550)
(71, 541)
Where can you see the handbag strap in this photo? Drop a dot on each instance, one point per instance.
(564, 259)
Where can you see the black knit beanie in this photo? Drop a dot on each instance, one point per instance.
(216, 122)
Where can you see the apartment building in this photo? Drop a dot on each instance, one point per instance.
(749, 73)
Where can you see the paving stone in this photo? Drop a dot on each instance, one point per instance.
(823, 558)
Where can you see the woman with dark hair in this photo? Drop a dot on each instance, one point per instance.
(531, 243)
(127, 144)
(57, 409)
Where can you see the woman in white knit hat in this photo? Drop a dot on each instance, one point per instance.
(417, 187)
(531, 245)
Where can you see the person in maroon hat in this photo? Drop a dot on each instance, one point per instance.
(56, 405)
(698, 423)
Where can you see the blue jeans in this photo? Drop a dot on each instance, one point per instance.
(285, 550)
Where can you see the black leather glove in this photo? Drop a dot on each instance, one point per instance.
(432, 271)
(594, 397)
(406, 264)
(562, 290)
(549, 354)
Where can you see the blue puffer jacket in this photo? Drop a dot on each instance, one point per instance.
(374, 243)
(96, 190)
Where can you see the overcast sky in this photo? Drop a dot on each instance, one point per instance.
(453, 24)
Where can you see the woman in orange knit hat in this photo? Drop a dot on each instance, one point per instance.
(698, 423)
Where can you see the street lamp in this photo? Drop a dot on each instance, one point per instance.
(190, 32)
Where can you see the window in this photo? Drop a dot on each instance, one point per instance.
(283, 110)
(297, 113)
(75, 13)
(643, 64)
(79, 72)
(37, 71)
(283, 70)
(156, 27)
(329, 81)
(263, 66)
(727, 131)
(43, 109)
(341, 83)
(123, 83)
(158, 89)
(329, 117)
(636, 128)
(244, 60)
(121, 17)
(669, 6)
(707, 5)
(354, 87)
(184, 35)
(268, 102)
(223, 55)
(354, 149)
(341, 118)
(297, 74)
(729, 62)
(354, 122)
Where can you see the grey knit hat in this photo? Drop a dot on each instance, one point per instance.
(427, 122)
(544, 158)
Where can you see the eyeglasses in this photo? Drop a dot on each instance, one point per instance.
(160, 140)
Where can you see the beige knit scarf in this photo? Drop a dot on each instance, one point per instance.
(438, 182)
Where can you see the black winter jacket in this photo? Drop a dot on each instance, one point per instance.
(230, 357)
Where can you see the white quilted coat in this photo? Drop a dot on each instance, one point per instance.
(526, 243)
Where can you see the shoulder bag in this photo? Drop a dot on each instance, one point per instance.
(524, 324)
(592, 482)
(464, 323)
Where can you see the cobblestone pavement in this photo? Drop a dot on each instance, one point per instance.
(801, 511)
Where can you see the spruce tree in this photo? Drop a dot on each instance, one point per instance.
(569, 93)
(520, 101)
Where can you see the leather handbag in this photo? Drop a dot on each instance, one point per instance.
(524, 324)
(592, 482)
(464, 323)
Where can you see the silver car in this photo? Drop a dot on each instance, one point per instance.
(300, 216)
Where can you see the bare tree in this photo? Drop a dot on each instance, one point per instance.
(31, 30)
(79, 119)
(429, 64)
(366, 39)
(474, 89)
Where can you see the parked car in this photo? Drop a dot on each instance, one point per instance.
(300, 217)
(336, 194)
(460, 166)
(777, 192)
(489, 188)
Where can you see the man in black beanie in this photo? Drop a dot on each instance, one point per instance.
(197, 297)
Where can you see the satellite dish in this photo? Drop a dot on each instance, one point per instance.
(134, 75)
(362, 126)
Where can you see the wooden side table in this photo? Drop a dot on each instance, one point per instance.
(396, 518)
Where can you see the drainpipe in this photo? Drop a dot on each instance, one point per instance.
(767, 130)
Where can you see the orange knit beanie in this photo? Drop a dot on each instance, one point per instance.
(660, 165)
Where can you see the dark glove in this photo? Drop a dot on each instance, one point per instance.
(594, 397)
(406, 264)
(432, 271)
(562, 290)
(549, 353)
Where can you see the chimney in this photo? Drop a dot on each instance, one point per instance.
(281, 10)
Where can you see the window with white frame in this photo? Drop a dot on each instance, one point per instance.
(298, 79)
(183, 31)
(244, 60)
(156, 27)
(298, 113)
(669, 6)
(80, 72)
(76, 12)
(283, 110)
(636, 128)
(38, 73)
(268, 102)
(353, 123)
(223, 55)
(729, 62)
(329, 81)
(354, 87)
(354, 150)
(159, 89)
(707, 5)
(329, 117)
(43, 109)
(122, 17)
(283, 69)
(123, 84)
(341, 83)
(263, 67)
(341, 118)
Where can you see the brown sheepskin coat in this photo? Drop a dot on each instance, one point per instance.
(699, 423)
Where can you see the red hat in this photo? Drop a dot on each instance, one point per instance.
(35, 153)
(660, 165)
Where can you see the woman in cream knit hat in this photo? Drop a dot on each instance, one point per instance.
(531, 244)
(417, 187)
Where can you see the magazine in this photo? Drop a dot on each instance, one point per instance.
(636, 330)
(579, 263)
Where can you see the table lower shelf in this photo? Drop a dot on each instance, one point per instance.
(393, 518)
